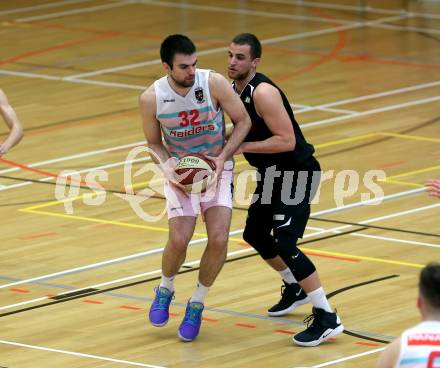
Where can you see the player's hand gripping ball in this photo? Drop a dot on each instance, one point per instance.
(195, 172)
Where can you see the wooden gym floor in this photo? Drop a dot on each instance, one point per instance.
(365, 86)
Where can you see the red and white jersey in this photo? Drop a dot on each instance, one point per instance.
(420, 346)
(191, 123)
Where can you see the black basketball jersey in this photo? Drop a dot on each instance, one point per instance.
(300, 158)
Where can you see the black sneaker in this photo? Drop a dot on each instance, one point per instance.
(321, 325)
(292, 296)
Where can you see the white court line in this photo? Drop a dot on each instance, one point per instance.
(332, 210)
(29, 75)
(386, 217)
(257, 13)
(82, 355)
(107, 166)
(222, 49)
(73, 80)
(114, 260)
(72, 12)
(367, 9)
(306, 108)
(138, 87)
(412, 242)
(303, 126)
(370, 112)
(43, 6)
(372, 201)
(408, 28)
(123, 279)
(350, 357)
(311, 4)
(335, 103)
(385, 238)
(402, 14)
(391, 92)
(75, 156)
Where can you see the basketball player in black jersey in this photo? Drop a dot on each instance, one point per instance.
(288, 176)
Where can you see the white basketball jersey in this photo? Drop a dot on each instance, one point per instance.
(190, 124)
(420, 346)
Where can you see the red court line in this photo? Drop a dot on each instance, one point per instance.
(129, 307)
(370, 59)
(27, 168)
(317, 254)
(20, 290)
(333, 257)
(342, 40)
(286, 332)
(153, 37)
(174, 314)
(209, 319)
(47, 173)
(245, 325)
(57, 47)
(346, 58)
(35, 236)
(393, 164)
(92, 301)
(82, 122)
(366, 343)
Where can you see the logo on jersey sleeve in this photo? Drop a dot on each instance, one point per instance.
(198, 92)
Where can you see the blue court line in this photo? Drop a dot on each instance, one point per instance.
(281, 321)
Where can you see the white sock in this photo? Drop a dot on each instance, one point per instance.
(287, 276)
(200, 293)
(319, 300)
(167, 282)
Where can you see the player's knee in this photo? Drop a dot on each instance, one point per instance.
(218, 243)
(262, 243)
(178, 243)
(250, 236)
(300, 265)
(286, 245)
(285, 241)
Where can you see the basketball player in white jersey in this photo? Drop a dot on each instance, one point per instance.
(419, 346)
(185, 107)
(433, 187)
(11, 120)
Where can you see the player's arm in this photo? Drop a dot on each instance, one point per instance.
(389, 356)
(433, 187)
(222, 92)
(269, 106)
(11, 120)
(159, 153)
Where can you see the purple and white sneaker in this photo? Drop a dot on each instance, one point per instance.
(190, 326)
(159, 310)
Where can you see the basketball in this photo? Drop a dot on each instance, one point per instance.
(195, 172)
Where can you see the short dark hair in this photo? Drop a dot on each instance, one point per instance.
(251, 40)
(175, 44)
(429, 284)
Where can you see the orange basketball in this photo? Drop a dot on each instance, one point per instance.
(195, 172)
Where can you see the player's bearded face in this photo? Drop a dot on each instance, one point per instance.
(239, 61)
(184, 70)
(183, 82)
